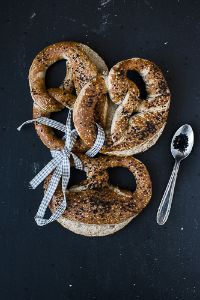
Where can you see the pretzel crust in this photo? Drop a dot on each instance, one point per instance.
(95, 201)
(133, 124)
(82, 65)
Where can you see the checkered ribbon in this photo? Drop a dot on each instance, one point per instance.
(60, 164)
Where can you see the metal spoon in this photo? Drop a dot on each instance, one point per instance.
(179, 155)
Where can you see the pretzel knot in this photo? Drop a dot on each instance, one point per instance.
(95, 207)
(132, 124)
(82, 65)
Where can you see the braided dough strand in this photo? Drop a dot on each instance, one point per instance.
(133, 124)
(82, 65)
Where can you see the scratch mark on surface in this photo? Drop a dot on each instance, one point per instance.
(196, 223)
(103, 25)
(33, 15)
(36, 167)
(71, 19)
(21, 161)
(148, 4)
(105, 22)
(105, 2)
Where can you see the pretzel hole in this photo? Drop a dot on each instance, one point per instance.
(122, 177)
(76, 177)
(55, 74)
(61, 116)
(138, 80)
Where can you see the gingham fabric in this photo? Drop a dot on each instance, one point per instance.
(98, 143)
(60, 164)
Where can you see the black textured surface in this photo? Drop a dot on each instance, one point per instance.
(143, 261)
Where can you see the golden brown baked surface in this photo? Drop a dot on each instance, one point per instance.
(133, 124)
(82, 65)
(96, 201)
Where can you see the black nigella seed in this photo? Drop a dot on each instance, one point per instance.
(181, 142)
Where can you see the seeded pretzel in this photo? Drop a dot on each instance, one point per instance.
(82, 65)
(133, 125)
(95, 207)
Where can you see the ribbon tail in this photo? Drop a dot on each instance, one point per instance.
(44, 172)
(45, 121)
(57, 214)
(39, 218)
(65, 173)
(27, 122)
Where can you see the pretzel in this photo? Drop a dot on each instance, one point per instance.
(133, 125)
(95, 207)
(83, 64)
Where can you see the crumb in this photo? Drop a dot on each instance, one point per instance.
(33, 15)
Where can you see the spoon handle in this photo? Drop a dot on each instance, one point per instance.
(166, 202)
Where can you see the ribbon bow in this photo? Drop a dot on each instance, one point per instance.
(60, 164)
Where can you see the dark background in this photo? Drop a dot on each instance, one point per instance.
(143, 261)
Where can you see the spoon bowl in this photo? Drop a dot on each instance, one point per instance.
(185, 130)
